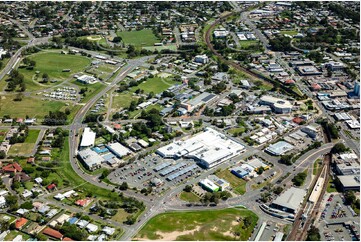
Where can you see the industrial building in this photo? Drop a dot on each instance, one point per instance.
(118, 149)
(203, 59)
(221, 183)
(208, 185)
(88, 138)
(198, 101)
(310, 130)
(239, 172)
(91, 159)
(278, 105)
(349, 182)
(86, 79)
(209, 148)
(279, 148)
(290, 200)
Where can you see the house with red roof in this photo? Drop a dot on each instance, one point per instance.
(12, 168)
(52, 233)
(19, 223)
(31, 160)
(83, 202)
(289, 82)
(67, 239)
(51, 186)
(315, 87)
(297, 120)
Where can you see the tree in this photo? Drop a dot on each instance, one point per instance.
(12, 201)
(104, 174)
(130, 220)
(287, 159)
(123, 186)
(299, 179)
(117, 39)
(339, 148)
(2, 154)
(188, 188)
(313, 234)
(260, 170)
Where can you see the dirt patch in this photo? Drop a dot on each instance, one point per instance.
(164, 75)
(94, 38)
(175, 234)
(3, 97)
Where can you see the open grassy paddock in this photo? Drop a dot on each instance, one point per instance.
(155, 84)
(246, 43)
(172, 47)
(93, 89)
(21, 149)
(141, 38)
(200, 225)
(32, 136)
(189, 197)
(236, 130)
(33, 107)
(52, 63)
(238, 185)
(289, 32)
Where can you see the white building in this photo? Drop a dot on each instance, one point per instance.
(118, 149)
(278, 105)
(91, 159)
(210, 148)
(86, 79)
(88, 138)
(201, 59)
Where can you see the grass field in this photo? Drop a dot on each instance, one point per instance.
(32, 136)
(237, 130)
(155, 84)
(52, 63)
(122, 100)
(172, 47)
(33, 107)
(21, 149)
(138, 112)
(289, 32)
(199, 225)
(2, 134)
(238, 184)
(139, 38)
(246, 43)
(189, 197)
(316, 167)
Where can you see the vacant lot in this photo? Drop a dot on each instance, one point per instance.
(32, 136)
(226, 224)
(155, 84)
(139, 38)
(189, 197)
(238, 185)
(21, 149)
(34, 108)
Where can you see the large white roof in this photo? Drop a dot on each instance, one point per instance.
(292, 198)
(88, 138)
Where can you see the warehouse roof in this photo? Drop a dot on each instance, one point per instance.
(349, 180)
(88, 138)
(292, 198)
(279, 148)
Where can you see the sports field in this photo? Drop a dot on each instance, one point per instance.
(226, 224)
(52, 63)
(139, 38)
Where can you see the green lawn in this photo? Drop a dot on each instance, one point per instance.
(155, 84)
(289, 32)
(199, 225)
(52, 63)
(189, 197)
(32, 136)
(236, 130)
(2, 134)
(122, 100)
(139, 38)
(33, 107)
(246, 43)
(138, 111)
(21, 149)
(120, 216)
(172, 47)
(238, 184)
(331, 186)
(316, 166)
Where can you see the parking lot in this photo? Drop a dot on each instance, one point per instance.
(140, 173)
(336, 210)
(337, 232)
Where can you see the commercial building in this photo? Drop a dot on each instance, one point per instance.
(209, 148)
(290, 200)
(310, 130)
(349, 182)
(88, 138)
(356, 89)
(278, 105)
(279, 148)
(239, 172)
(118, 149)
(208, 185)
(90, 159)
(221, 183)
(203, 59)
(86, 79)
(198, 101)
